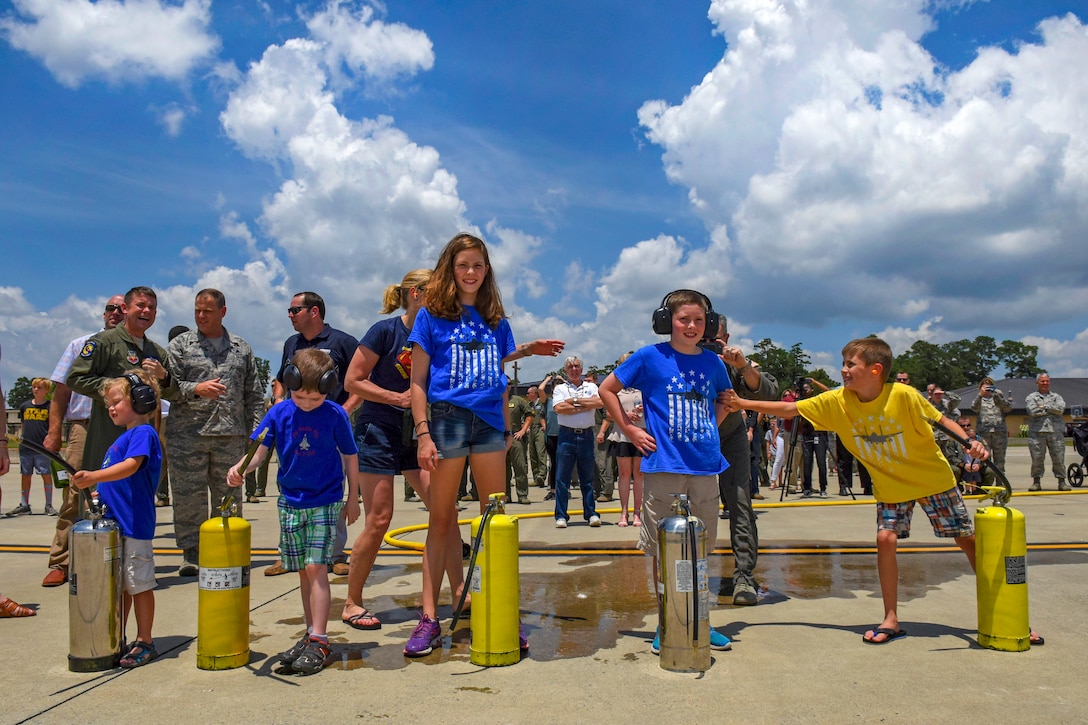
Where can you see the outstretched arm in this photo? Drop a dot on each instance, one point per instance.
(550, 348)
(780, 408)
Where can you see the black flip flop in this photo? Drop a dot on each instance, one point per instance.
(889, 635)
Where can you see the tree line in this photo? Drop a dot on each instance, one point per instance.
(955, 364)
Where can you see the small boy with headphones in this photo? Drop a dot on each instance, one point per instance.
(682, 385)
(315, 444)
(126, 485)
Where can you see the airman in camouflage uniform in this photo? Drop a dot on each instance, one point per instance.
(991, 406)
(538, 456)
(1046, 431)
(521, 418)
(219, 404)
(110, 354)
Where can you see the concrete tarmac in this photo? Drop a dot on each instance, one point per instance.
(586, 603)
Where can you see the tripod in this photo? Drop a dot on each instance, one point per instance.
(787, 469)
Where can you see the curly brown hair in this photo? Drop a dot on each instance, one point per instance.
(442, 299)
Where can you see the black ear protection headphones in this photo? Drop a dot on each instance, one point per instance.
(141, 395)
(292, 379)
(662, 318)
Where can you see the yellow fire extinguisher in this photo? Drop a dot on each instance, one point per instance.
(223, 602)
(493, 580)
(1001, 583)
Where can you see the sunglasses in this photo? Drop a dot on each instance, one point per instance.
(112, 308)
(297, 309)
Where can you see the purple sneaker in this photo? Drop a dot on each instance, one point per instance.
(523, 641)
(425, 636)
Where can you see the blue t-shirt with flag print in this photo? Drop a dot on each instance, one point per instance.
(466, 362)
(678, 394)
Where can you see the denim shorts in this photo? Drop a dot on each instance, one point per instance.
(457, 432)
(31, 463)
(382, 450)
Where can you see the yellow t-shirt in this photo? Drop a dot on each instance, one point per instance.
(890, 436)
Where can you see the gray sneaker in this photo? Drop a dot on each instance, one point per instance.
(744, 594)
(49, 510)
(1035, 486)
(188, 568)
(1063, 485)
(19, 510)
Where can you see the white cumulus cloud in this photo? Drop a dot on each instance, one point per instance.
(114, 40)
(357, 40)
(853, 170)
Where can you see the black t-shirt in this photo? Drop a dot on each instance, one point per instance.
(35, 423)
(339, 345)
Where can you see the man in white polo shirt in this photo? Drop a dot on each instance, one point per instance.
(574, 402)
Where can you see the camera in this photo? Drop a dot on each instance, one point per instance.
(715, 346)
(990, 388)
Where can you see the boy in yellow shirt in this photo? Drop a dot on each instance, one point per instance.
(886, 426)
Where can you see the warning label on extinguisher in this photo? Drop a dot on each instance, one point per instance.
(476, 582)
(1016, 570)
(684, 583)
(224, 579)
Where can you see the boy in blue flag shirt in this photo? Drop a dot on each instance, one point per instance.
(681, 386)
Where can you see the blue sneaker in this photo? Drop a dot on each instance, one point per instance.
(718, 641)
(424, 638)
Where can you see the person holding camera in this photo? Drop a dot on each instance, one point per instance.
(992, 406)
(734, 483)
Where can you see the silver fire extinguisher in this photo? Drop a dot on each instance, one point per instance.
(683, 581)
(95, 634)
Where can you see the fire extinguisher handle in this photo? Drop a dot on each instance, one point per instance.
(1000, 499)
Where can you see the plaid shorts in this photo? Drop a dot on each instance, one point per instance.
(946, 511)
(307, 536)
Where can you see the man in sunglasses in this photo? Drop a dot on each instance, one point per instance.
(307, 315)
(76, 409)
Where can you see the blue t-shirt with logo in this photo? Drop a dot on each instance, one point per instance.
(678, 394)
(466, 362)
(309, 445)
(131, 501)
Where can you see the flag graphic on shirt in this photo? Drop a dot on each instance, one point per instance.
(690, 417)
(880, 440)
(474, 357)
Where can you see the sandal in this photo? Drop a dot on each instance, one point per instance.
(11, 608)
(140, 654)
(622, 521)
(637, 521)
(363, 620)
(313, 658)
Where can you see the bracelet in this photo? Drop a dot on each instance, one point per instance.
(747, 366)
(424, 433)
(422, 422)
(507, 434)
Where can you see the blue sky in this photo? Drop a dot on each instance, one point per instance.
(823, 170)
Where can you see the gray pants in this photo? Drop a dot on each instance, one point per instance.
(1038, 444)
(998, 442)
(198, 469)
(733, 486)
(605, 483)
(517, 468)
